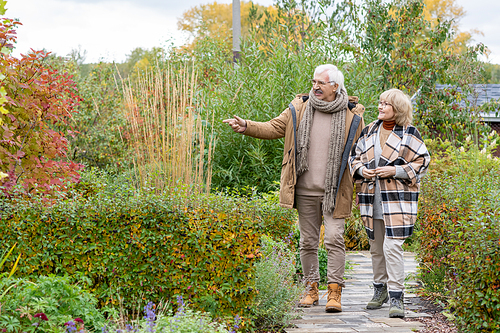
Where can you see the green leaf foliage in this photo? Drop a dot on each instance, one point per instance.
(59, 298)
(3, 3)
(149, 246)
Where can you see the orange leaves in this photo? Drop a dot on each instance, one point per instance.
(38, 98)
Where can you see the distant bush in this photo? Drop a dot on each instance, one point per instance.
(148, 245)
(459, 232)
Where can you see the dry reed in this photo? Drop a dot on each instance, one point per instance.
(167, 134)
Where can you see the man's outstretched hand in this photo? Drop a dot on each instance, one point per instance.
(237, 124)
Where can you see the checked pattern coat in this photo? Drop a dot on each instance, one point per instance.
(406, 148)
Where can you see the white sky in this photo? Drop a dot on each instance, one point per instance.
(109, 29)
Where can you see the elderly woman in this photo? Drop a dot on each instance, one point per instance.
(387, 163)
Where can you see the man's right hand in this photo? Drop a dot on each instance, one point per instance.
(237, 124)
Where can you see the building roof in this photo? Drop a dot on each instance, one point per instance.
(483, 93)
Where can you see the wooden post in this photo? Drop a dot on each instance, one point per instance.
(236, 30)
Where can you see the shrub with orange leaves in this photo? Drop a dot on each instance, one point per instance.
(39, 103)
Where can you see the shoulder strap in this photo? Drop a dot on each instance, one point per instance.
(294, 118)
(350, 138)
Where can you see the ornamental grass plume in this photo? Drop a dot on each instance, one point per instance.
(169, 136)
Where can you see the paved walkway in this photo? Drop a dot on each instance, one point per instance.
(358, 291)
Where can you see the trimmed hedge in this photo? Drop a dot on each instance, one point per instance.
(459, 235)
(152, 246)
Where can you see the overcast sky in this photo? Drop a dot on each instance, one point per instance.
(109, 29)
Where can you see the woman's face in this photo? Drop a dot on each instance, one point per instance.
(385, 111)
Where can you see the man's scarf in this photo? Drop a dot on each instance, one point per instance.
(337, 134)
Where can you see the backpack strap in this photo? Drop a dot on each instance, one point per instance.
(350, 138)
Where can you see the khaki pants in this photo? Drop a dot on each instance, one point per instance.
(387, 258)
(310, 220)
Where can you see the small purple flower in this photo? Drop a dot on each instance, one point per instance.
(70, 326)
(237, 321)
(180, 301)
(150, 316)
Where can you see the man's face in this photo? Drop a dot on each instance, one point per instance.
(322, 88)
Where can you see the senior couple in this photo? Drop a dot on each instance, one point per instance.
(327, 149)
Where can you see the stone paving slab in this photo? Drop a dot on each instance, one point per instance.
(356, 294)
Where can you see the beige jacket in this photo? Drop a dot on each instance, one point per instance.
(282, 126)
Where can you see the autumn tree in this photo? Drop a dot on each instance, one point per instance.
(448, 10)
(215, 20)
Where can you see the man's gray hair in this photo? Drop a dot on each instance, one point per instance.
(334, 74)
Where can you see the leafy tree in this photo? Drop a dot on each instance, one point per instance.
(447, 10)
(2, 6)
(492, 73)
(215, 20)
(139, 59)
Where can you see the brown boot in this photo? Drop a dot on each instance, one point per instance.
(334, 293)
(311, 296)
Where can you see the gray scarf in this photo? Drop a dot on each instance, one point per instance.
(338, 109)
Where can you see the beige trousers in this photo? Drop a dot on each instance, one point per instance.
(387, 258)
(310, 220)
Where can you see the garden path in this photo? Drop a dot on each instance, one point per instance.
(358, 291)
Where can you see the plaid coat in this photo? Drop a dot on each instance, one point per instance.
(404, 147)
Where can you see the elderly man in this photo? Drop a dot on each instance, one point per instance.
(319, 129)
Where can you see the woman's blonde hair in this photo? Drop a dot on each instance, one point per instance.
(401, 104)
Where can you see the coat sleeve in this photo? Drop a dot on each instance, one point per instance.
(413, 155)
(355, 158)
(272, 129)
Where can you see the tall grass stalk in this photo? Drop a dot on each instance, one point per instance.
(168, 135)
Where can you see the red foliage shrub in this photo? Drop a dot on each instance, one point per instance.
(40, 102)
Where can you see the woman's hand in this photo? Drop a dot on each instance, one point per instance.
(385, 172)
(368, 174)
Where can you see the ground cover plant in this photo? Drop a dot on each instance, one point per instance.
(161, 318)
(459, 234)
(45, 304)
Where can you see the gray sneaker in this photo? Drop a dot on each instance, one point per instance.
(380, 296)
(397, 307)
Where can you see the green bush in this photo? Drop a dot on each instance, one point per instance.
(101, 132)
(149, 246)
(459, 232)
(60, 299)
(275, 304)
